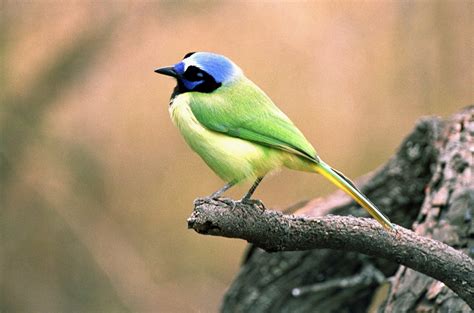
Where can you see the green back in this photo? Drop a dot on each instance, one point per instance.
(243, 110)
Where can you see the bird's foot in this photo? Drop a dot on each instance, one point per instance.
(252, 202)
(233, 203)
(228, 201)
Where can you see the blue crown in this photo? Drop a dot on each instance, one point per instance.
(222, 69)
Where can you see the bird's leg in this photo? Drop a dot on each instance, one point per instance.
(219, 192)
(248, 195)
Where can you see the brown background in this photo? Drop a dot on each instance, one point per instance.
(97, 183)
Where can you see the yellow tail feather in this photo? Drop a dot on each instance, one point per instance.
(347, 186)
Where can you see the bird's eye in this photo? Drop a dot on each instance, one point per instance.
(193, 73)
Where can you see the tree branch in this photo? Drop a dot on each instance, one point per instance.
(427, 185)
(273, 231)
(368, 275)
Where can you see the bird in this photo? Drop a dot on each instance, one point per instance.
(239, 132)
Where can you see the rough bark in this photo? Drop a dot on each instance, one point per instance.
(273, 231)
(446, 215)
(427, 186)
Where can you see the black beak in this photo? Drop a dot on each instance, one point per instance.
(169, 71)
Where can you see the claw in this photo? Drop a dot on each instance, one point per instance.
(229, 202)
(253, 202)
(234, 203)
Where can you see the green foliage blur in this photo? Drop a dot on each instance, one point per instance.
(96, 183)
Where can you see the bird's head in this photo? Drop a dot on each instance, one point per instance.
(202, 72)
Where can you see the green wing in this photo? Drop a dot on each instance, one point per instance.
(243, 110)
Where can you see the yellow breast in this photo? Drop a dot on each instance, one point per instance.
(231, 158)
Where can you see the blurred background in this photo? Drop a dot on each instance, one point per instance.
(95, 182)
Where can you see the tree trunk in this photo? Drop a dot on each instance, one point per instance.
(427, 186)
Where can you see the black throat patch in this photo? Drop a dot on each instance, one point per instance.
(207, 83)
